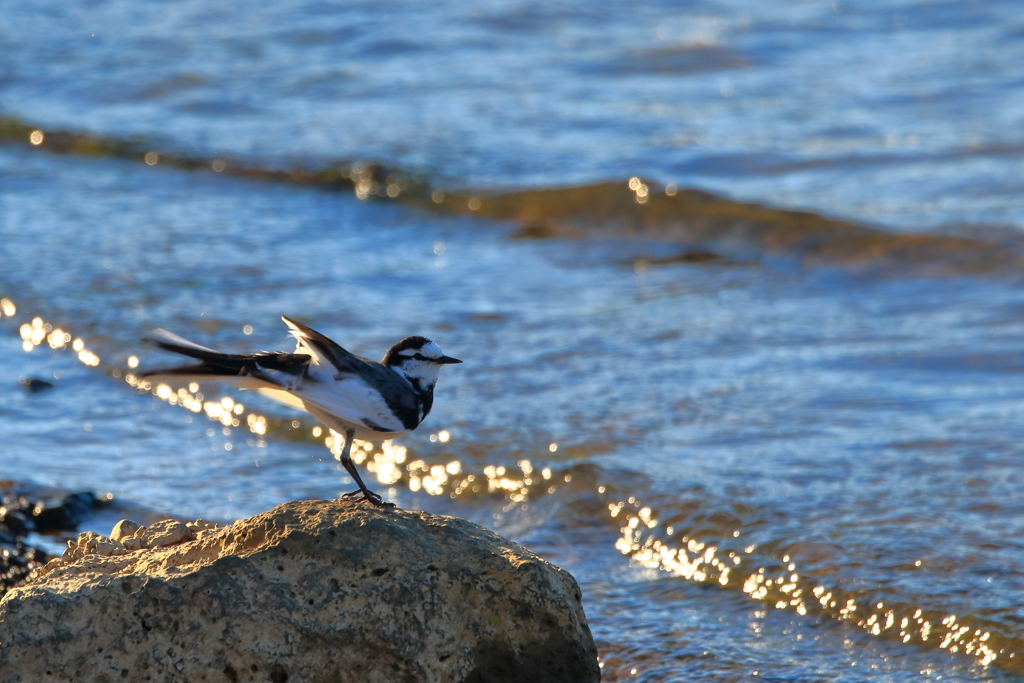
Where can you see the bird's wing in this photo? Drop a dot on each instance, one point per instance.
(398, 394)
(354, 377)
(323, 349)
(352, 400)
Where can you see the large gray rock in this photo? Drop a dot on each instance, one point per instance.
(309, 591)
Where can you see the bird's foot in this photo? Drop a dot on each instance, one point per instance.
(369, 496)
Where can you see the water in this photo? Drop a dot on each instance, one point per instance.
(906, 112)
(667, 432)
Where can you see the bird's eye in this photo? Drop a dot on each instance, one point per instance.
(419, 356)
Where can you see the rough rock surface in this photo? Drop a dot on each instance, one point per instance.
(309, 591)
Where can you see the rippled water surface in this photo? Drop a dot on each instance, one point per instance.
(905, 112)
(754, 469)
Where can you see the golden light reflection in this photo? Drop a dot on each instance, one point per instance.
(780, 585)
(38, 331)
(151, 158)
(58, 339)
(8, 308)
(36, 137)
(641, 190)
(257, 424)
(89, 358)
(372, 181)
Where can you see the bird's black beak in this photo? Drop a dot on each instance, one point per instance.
(446, 360)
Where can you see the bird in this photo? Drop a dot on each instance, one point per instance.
(355, 397)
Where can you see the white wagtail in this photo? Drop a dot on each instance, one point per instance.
(353, 396)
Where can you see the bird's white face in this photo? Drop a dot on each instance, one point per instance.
(422, 363)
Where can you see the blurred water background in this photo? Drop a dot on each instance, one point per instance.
(770, 443)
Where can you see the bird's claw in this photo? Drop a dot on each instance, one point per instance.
(369, 496)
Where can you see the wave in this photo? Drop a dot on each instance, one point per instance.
(700, 222)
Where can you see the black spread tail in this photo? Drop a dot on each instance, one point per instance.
(215, 364)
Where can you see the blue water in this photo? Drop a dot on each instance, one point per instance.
(858, 432)
(907, 113)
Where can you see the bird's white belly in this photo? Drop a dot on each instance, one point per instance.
(362, 432)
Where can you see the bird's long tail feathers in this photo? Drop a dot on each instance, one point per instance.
(269, 371)
(168, 341)
(213, 364)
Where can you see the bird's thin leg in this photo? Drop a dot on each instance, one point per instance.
(363, 493)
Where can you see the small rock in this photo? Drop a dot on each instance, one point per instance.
(54, 563)
(64, 514)
(34, 385)
(132, 544)
(126, 528)
(18, 560)
(166, 533)
(109, 547)
(87, 542)
(91, 543)
(15, 518)
(201, 525)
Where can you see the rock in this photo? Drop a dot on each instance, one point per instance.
(14, 518)
(34, 385)
(27, 508)
(64, 513)
(201, 525)
(18, 560)
(91, 543)
(165, 533)
(126, 528)
(309, 591)
(161, 534)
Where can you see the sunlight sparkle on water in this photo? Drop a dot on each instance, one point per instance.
(783, 587)
(38, 331)
(641, 190)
